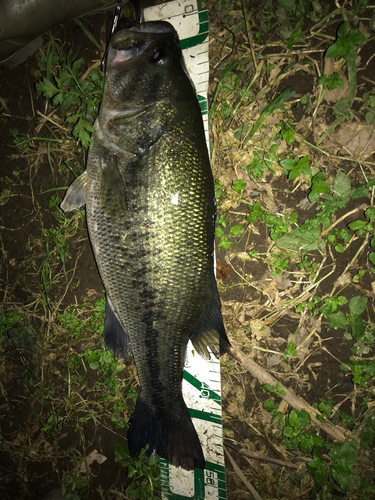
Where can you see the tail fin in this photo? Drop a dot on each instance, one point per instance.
(176, 441)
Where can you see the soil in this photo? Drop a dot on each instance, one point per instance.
(33, 374)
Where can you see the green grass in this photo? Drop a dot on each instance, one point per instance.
(255, 132)
(78, 96)
(300, 249)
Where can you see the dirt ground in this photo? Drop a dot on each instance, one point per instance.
(38, 453)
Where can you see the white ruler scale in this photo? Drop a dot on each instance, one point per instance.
(201, 380)
(190, 20)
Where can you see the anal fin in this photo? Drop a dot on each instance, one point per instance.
(115, 337)
(211, 331)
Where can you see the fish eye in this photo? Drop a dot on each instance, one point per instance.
(159, 56)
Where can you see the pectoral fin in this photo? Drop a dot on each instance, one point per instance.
(211, 331)
(115, 337)
(112, 189)
(75, 197)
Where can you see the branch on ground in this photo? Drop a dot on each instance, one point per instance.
(335, 432)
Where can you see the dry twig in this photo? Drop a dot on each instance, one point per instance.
(262, 458)
(241, 475)
(324, 233)
(335, 432)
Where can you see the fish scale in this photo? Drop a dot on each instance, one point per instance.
(164, 267)
(150, 212)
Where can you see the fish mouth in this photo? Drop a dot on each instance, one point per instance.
(154, 27)
(136, 40)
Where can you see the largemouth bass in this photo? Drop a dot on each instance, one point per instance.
(150, 207)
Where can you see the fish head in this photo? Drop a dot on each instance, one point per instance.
(142, 63)
(146, 79)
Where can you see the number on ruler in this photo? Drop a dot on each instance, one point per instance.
(205, 391)
(210, 478)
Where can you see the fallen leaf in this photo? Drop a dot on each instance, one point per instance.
(268, 200)
(305, 204)
(357, 138)
(258, 329)
(273, 360)
(343, 280)
(94, 456)
(91, 292)
(282, 281)
(331, 66)
(3, 102)
(222, 271)
(365, 30)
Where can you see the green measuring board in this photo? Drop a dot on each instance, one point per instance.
(202, 394)
(201, 381)
(190, 20)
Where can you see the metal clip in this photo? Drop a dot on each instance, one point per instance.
(124, 23)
